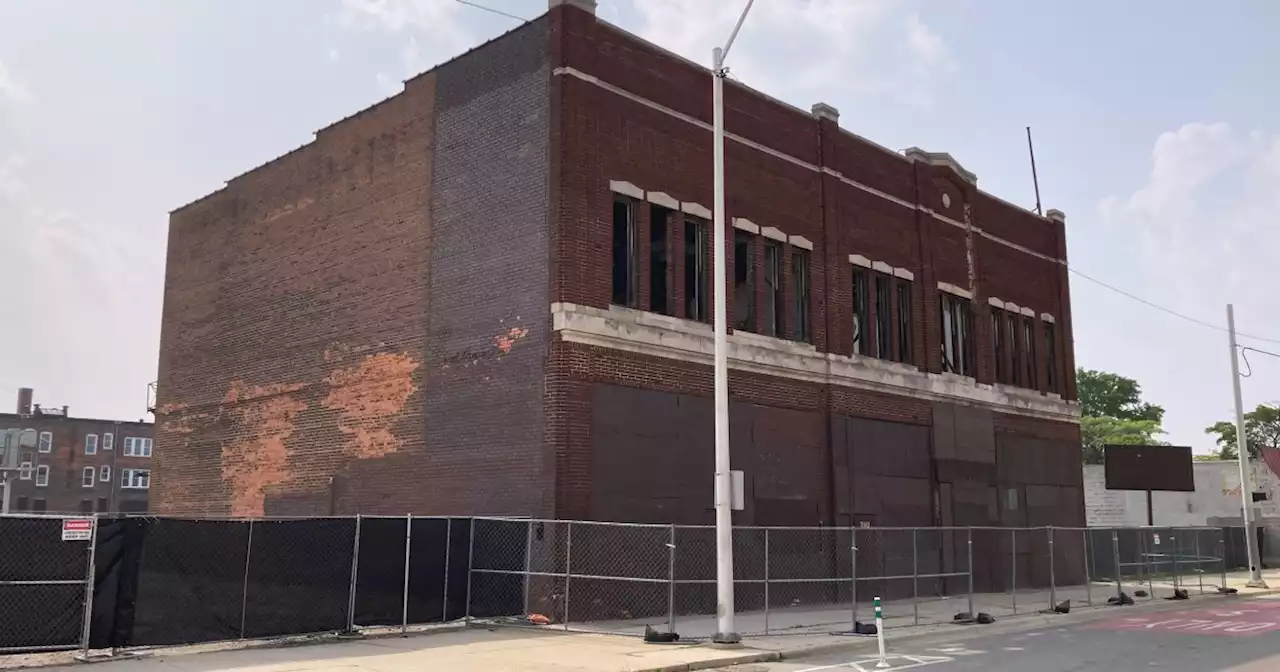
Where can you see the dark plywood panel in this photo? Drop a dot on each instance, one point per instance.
(944, 430)
(975, 434)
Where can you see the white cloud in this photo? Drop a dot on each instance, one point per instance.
(805, 51)
(12, 90)
(437, 24)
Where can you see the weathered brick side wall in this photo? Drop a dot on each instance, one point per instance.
(318, 304)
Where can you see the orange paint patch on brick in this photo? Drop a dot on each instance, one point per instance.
(259, 457)
(369, 396)
(508, 338)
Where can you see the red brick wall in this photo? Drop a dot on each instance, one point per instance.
(346, 326)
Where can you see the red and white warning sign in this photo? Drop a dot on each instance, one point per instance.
(77, 529)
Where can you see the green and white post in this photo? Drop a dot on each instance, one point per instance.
(880, 634)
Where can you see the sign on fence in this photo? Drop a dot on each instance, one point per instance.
(77, 529)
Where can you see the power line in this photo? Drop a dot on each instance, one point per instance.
(495, 11)
(1170, 310)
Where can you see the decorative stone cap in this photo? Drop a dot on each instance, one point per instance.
(1056, 215)
(941, 159)
(825, 111)
(587, 5)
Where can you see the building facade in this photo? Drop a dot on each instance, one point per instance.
(489, 294)
(66, 464)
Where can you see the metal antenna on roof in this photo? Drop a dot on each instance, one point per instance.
(490, 9)
(1034, 179)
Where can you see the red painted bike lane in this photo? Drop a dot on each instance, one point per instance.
(1242, 619)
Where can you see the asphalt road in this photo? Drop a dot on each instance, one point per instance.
(1238, 635)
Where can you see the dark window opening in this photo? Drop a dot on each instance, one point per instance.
(904, 322)
(800, 278)
(1029, 354)
(695, 269)
(659, 259)
(860, 317)
(624, 253)
(1015, 349)
(86, 506)
(24, 504)
(39, 505)
(884, 317)
(957, 335)
(1051, 358)
(102, 505)
(997, 344)
(744, 285)
(774, 303)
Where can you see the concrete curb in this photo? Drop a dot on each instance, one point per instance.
(727, 661)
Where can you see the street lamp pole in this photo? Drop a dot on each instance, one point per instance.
(1242, 455)
(725, 631)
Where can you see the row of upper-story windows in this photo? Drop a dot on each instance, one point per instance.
(782, 309)
(134, 446)
(89, 476)
(882, 297)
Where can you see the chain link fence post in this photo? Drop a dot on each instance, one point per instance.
(1088, 570)
(970, 568)
(1013, 568)
(568, 569)
(448, 548)
(90, 580)
(766, 580)
(1199, 563)
(1222, 554)
(528, 562)
(1115, 555)
(355, 577)
(671, 581)
(1053, 576)
(915, 577)
(471, 559)
(853, 574)
(408, 546)
(1177, 577)
(244, 590)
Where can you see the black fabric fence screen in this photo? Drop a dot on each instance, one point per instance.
(42, 585)
(163, 581)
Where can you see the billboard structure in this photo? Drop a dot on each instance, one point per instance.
(1149, 468)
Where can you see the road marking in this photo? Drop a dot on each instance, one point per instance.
(1014, 648)
(896, 662)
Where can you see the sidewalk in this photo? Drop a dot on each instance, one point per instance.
(548, 650)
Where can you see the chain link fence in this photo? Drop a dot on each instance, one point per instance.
(44, 583)
(144, 581)
(619, 578)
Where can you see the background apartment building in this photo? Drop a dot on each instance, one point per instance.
(489, 294)
(76, 465)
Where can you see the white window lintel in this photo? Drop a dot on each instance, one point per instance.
(953, 289)
(626, 189)
(802, 242)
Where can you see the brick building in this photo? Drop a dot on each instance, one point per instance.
(489, 294)
(75, 465)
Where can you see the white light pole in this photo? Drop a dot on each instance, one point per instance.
(725, 632)
(1242, 454)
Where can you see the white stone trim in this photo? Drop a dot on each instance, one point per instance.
(952, 289)
(859, 260)
(993, 301)
(1028, 312)
(1047, 318)
(626, 189)
(802, 242)
(696, 210)
(1012, 307)
(662, 199)
(629, 330)
(578, 74)
(774, 233)
(904, 274)
(745, 224)
(882, 267)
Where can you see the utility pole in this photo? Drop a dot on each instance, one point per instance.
(1242, 451)
(725, 632)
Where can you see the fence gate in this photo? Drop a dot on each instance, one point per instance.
(44, 582)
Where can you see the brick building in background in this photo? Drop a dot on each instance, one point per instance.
(488, 294)
(76, 465)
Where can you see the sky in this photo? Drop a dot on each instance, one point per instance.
(1157, 131)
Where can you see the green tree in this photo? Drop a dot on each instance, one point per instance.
(1261, 428)
(1114, 413)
